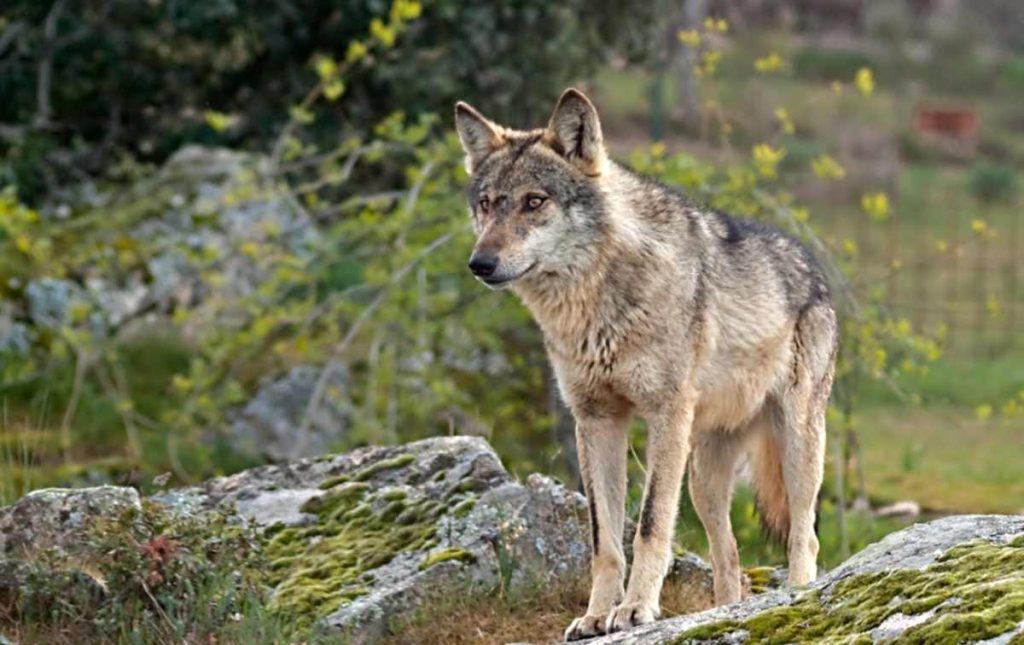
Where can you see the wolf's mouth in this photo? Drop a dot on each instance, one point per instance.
(498, 283)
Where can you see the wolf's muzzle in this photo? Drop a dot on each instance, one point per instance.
(483, 264)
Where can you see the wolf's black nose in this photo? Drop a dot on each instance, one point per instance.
(483, 264)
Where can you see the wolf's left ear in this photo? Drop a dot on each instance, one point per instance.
(575, 132)
(479, 136)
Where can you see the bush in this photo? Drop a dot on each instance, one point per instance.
(993, 182)
(140, 76)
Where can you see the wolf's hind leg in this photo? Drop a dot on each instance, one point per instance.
(601, 444)
(712, 470)
(800, 432)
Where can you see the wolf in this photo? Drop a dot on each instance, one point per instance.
(719, 332)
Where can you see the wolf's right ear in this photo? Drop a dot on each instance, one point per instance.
(479, 136)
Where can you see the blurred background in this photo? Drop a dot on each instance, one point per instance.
(233, 232)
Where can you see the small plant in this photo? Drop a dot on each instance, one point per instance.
(167, 577)
(993, 182)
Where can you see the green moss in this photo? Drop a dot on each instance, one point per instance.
(761, 579)
(445, 555)
(331, 482)
(463, 508)
(384, 464)
(976, 591)
(320, 568)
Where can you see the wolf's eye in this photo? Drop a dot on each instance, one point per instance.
(533, 202)
(483, 204)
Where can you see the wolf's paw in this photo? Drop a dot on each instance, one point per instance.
(585, 627)
(629, 615)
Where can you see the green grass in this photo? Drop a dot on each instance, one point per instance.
(943, 457)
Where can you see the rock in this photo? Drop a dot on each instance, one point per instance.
(52, 520)
(358, 541)
(905, 508)
(56, 518)
(268, 426)
(957, 579)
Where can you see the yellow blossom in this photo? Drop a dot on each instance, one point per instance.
(785, 122)
(356, 50)
(689, 37)
(325, 67)
(767, 158)
(716, 25)
(979, 226)
(334, 89)
(876, 205)
(983, 412)
(942, 246)
(826, 167)
(384, 33)
(865, 81)
(218, 121)
(767, 64)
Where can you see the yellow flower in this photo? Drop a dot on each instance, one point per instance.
(333, 89)
(325, 67)
(356, 50)
(716, 25)
(689, 37)
(767, 158)
(876, 205)
(826, 167)
(849, 247)
(993, 306)
(785, 122)
(983, 412)
(658, 149)
(801, 214)
(767, 64)
(942, 246)
(382, 32)
(406, 10)
(865, 81)
(979, 226)
(709, 63)
(218, 121)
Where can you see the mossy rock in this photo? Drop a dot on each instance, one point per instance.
(955, 580)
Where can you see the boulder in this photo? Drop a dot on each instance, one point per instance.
(355, 542)
(958, 579)
(268, 426)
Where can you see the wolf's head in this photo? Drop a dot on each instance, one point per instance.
(534, 195)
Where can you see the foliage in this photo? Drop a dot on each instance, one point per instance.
(993, 182)
(85, 84)
(158, 574)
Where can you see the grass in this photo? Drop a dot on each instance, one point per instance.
(944, 458)
(539, 615)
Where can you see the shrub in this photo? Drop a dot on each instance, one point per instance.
(993, 182)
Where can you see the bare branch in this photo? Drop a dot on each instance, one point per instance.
(331, 367)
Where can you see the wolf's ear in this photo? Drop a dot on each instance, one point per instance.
(479, 136)
(575, 132)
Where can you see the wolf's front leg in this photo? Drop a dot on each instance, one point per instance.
(668, 445)
(601, 444)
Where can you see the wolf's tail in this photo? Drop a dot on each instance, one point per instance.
(772, 504)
